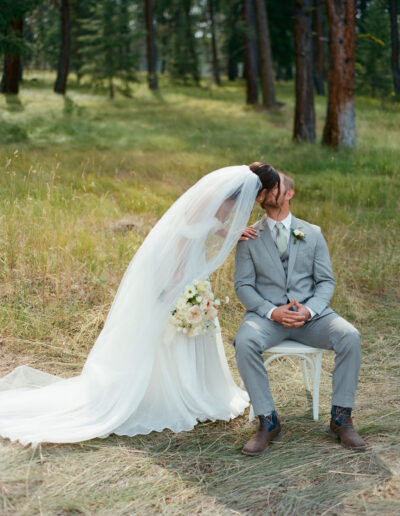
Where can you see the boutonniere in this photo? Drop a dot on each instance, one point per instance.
(298, 235)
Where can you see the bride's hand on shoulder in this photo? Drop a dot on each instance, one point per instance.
(249, 232)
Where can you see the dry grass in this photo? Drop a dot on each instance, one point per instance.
(81, 185)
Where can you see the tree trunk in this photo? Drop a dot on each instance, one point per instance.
(63, 63)
(264, 43)
(151, 49)
(340, 129)
(250, 58)
(304, 120)
(318, 50)
(215, 62)
(9, 82)
(395, 45)
(76, 27)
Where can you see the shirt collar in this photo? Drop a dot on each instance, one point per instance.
(286, 222)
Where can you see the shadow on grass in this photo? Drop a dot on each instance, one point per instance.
(306, 472)
(13, 103)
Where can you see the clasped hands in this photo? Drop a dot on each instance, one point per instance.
(290, 318)
(283, 314)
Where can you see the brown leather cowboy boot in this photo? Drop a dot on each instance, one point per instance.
(269, 430)
(341, 427)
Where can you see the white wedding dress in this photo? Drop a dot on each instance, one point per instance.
(141, 375)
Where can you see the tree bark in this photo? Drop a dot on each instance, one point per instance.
(340, 129)
(304, 120)
(150, 45)
(318, 49)
(250, 58)
(215, 62)
(266, 68)
(394, 32)
(12, 61)
(60, 85)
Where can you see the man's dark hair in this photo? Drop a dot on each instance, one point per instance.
(287, 180)
(268, 176)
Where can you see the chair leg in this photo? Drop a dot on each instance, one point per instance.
(305, 374)
(317, 378)
(251, 413)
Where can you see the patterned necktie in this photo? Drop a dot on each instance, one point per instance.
(281, 241)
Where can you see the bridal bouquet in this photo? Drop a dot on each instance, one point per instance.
(196, 310)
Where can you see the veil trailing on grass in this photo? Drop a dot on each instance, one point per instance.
(141, 375)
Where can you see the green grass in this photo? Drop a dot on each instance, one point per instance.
(83, 179)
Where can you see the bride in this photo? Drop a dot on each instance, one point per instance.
(141, 374)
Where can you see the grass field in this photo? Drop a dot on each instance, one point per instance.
(83, 179)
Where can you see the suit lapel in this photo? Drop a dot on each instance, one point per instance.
(293, 247)
(270, 245)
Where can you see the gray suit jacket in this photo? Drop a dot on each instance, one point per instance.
(260, 279)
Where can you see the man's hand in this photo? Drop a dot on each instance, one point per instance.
(289, 318)
(249, 232)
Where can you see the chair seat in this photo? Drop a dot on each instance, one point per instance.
(291, 346)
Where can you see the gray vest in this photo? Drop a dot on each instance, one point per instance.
(285, 261)
(285, 257)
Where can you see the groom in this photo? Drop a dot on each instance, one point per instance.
(284, 278)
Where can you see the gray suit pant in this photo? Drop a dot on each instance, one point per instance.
(256, 334)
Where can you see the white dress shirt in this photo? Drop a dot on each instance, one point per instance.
(287, 221)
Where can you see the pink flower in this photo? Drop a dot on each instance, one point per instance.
(194, 315)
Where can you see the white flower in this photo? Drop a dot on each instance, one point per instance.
(226, 299)
(212, 313)
(217, 302)
(298, 233)
(182, 301)
(201, 286)
(199, 299)
(190, 291)
(195, 282)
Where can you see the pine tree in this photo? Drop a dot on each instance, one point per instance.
(233, 35)
(106, 45)
(394, 32)
(373, 52)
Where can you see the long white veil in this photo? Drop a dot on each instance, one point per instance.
(190, 241)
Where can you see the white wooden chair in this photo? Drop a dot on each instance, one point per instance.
(308, 354)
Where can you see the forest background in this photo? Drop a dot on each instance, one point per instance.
(110, 110)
